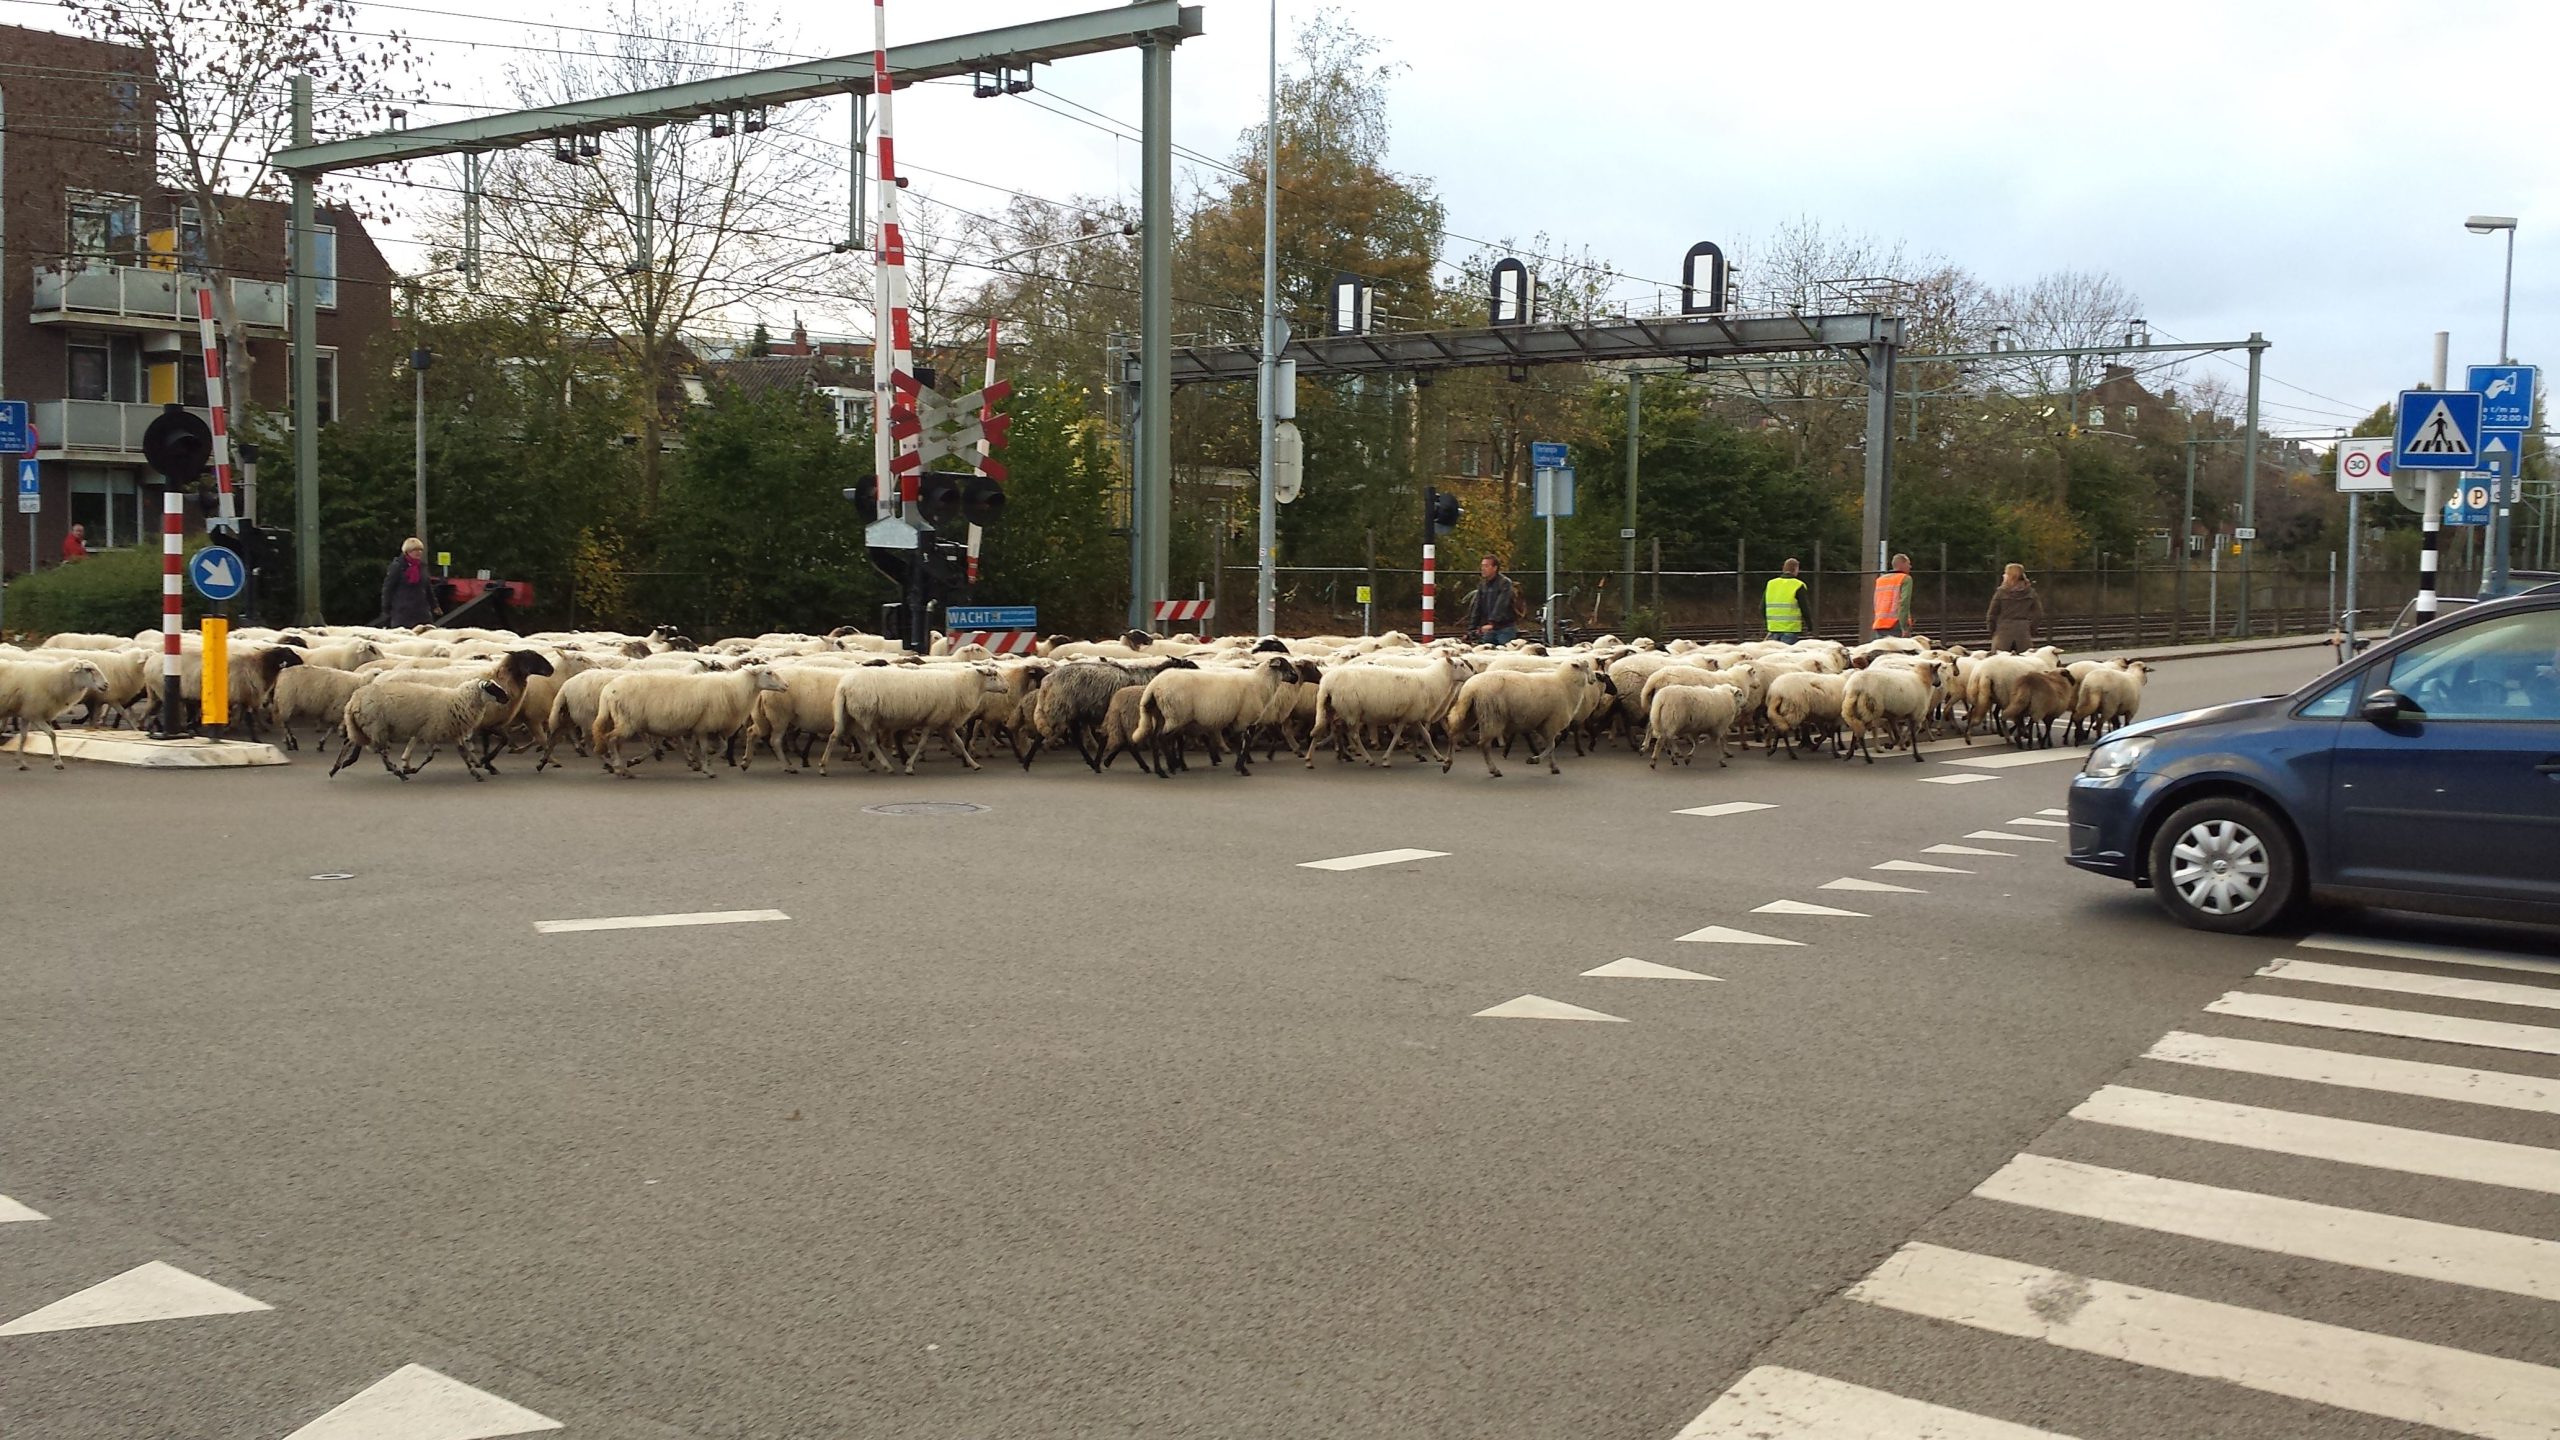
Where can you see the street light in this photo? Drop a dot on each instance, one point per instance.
(996, 262)
(2493, 580)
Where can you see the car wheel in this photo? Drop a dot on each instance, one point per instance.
(2225, 865)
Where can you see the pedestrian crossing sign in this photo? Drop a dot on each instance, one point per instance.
(2439, 430)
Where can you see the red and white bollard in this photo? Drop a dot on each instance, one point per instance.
(173, 560)
(1430, 588)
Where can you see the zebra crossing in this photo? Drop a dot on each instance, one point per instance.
(2321, 1208)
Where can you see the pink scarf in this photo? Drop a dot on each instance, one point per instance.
(409, 574)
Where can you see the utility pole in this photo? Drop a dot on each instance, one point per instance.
(2249, 480)
(419, 359)
(2431, 519)
(1266, 579)
(306, 376)
(1627, 530)
(1154, 488)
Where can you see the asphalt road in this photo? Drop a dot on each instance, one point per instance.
(1096, 1113)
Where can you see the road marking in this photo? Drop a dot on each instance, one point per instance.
(2384, 1375)
(1632, 968)
(2323, 1137)
(2064, 813)
(653, 922)
(1773, 1400)
(11, 1210)
(2405, 982)
(2376, 1020)
(2006, 835)
(2360, 1072)
(2016, 758)
(1955, 779)
(150, 1291)
(1919, 867)
(1800, 907)
(2039, 820)
(1726, 935)
(2440, 954)
(416, 1403)
(2393, 1244)
(1539, 1007)
(1374, 857)
(1877, 887)
(1966, 850)
(1729, 807)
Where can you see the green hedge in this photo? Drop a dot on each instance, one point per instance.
(115, 592)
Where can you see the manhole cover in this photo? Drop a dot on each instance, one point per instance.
(335, 875)
(924, 807)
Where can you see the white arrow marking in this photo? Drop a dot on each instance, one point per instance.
(1632, 968)
(2006, 835)
(1964, 850)
(1851, 882)
(151, 1291)
(11, 1210)
(1729, 807)
(1539, 1007)
(1921, 866)
(217, 573)
(1799, 907)
(1725, 935)
(416, 1403)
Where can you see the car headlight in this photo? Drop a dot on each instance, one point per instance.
(2116, 757)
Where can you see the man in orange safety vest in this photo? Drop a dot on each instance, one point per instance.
(1893, 599)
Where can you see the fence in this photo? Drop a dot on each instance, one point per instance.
(2155, 603)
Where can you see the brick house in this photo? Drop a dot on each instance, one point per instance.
(98, 291)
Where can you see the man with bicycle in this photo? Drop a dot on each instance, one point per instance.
(1494, 619)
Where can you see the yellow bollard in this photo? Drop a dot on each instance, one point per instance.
(217, 671)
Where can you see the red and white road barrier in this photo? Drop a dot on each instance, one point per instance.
(1001, 642)
(212, 343)
(1430, 585)
(897, 429)
(1183, 611)
(986, 441)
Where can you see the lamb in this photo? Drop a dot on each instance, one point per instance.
(307, 693)
(1355, 699)
(32, 692)
(1213, 704)
(890, 700)
(2108, 698)
(1895, 696)
(701, 710)
(1681, 714)
(1804, 704)
(1500, 704)
(2036, 700)
(387, 710)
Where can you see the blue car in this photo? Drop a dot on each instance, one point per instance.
(2422, 775)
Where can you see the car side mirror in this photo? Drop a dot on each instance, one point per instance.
(2386, 707)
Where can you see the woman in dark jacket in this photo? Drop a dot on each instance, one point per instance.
(2016, 610)
(408, 591)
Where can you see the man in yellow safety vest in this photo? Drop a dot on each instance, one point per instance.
(1893, 599)
(1784, 601)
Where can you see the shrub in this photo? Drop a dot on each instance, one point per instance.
(114, 592)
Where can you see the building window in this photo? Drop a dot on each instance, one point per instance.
(102, 227)
(2097, 417)
(2132, 413)
(103, 499)
(327, 399)
(104, 367)
(190, 240)
(125, 128)
(324, 266)
(1466, 458)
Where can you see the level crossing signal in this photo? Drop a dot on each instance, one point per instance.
(1440, 512)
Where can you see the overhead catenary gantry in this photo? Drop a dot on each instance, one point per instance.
(1154, 27)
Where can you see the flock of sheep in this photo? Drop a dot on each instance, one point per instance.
(620, 699)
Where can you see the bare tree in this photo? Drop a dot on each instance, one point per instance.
(221, 107)
(2067, 310)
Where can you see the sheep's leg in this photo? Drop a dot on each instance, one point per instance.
(52, 737)
(1244, 742)
(966, 758)
(25, 729)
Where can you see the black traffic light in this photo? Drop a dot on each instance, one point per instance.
(177, 443)
(1440, 512)
(938, 497)
(982, 501)
(865, 498)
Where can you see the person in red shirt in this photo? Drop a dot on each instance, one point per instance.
(75, 546)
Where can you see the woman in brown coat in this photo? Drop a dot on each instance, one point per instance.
(2016, 610)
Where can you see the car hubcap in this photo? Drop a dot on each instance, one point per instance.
(2219, 867)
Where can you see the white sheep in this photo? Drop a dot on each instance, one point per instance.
(1501, 704)
(1212, 704)
(306, 694)
(1682, 714)
(2108, 697)
(1352, 700)
(1895, 696)
(33, 692)
(1801, 703)
(573, 713)
(887, 701)
(703, 711)
(387, 710)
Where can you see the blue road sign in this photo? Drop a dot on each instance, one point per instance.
(30, 488)
(217, 573)
(16, 435)
(2470, 502)
(2506, 394)
(2501, 452)
(2439, 430)
(1548, 455)
(993, 617)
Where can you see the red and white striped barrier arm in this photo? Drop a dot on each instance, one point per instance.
(986, 439)
(1185, 610)
(1430, 588)
(212, 343)
(897, 430)
(1000, 642)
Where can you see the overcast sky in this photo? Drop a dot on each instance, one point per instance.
(2301, 169)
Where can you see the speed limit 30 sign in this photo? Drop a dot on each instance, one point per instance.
(2364, 465)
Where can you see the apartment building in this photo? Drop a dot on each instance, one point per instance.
(100, 267)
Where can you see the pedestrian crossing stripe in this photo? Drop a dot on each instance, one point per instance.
(2439, 434)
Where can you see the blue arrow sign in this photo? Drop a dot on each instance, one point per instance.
(15, 434)
(2501, 453)
(2506, 394)
(993, 617)
(218, 573)
(2439, 430)
(30, 488)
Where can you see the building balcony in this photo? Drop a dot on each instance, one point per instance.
(141, 297)
(97, 430)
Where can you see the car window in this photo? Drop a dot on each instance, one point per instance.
(2506, 668)
(2334, 703)
(2445, 605)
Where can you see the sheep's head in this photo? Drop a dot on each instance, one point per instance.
(1279, 665)
(275, 660)
(523, 664)
(490, 692)
(88, 674)
(766, 677)
(1137, 639)
(1270, 645)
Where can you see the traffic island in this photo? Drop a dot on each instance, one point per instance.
(124, 747)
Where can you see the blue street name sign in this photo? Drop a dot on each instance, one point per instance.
(2506, 394)
(15, 434)
(1548, 455)
(993, 617)
(217, 573)
(2439, 430)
